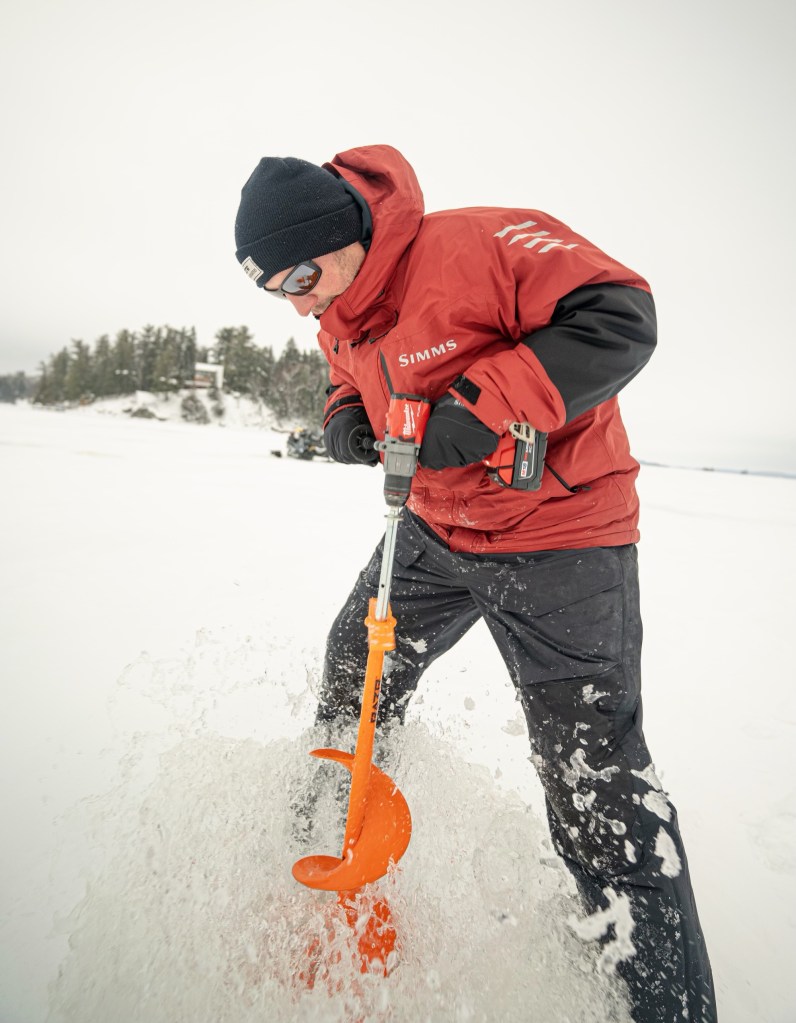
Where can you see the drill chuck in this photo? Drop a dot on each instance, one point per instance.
(406, 422)
(400, 466)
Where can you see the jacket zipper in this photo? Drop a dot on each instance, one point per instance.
(563, 482)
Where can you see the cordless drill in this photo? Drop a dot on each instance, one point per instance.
(516, 463)
(406, 423)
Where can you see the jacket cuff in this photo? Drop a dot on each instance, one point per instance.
(335, 405)
(511, 387)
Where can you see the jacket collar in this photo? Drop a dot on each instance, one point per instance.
(388, 184)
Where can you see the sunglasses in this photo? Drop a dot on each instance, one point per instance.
(300, 281)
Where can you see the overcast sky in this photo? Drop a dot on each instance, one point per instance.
(661, 131)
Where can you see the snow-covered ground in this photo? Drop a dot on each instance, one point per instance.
(166, 589)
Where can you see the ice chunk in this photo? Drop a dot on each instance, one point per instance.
(584, 803)
(597, 925)
(515, 725)
(580, 769)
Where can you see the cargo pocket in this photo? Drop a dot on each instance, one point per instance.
(409, 545)
(565, 609)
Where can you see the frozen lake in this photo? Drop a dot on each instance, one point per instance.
(165, 595)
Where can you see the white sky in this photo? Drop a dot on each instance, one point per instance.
(663, 132)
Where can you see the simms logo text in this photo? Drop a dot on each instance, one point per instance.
(410, 358)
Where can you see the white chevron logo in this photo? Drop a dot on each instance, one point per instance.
(541, 238)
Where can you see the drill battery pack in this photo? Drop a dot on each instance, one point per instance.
(518, 460)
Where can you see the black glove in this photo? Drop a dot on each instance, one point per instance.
(454, 436)
(349, 438)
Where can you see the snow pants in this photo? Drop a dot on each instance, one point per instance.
(568, 628)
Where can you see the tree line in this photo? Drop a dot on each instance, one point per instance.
(163, 360)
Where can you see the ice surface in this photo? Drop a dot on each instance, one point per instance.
(193, 913)
(165, 595)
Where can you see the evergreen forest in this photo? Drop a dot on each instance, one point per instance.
(163, 360)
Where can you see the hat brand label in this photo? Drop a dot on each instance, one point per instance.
(251, 269)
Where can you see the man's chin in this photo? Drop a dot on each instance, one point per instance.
(318, 311)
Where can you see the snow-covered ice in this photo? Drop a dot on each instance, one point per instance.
(165, 595)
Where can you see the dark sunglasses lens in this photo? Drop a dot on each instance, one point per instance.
(301, 279)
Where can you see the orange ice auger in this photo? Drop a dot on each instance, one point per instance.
(378, 826)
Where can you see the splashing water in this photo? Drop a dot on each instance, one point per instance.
(191, 914)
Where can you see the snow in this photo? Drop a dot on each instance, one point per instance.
(616, 917)
(665, 848)
(657, 803)
(165, 595)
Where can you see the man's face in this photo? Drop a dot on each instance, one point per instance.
(339, 270)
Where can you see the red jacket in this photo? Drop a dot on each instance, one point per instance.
(542, 326)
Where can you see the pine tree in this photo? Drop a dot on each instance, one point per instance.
(164, 359)
(102, 364)
(14, 386)
(186, 356)
(167, 363)
(299, 383)
(59, 367)
(263, 375)
(45, 392)
(147, 348)
(124, 363)
(79, 378)
(235, 349)
(286, 370)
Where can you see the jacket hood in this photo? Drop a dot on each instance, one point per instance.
(387, 182)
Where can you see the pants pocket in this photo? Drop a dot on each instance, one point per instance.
(561, 615)
(409, 546)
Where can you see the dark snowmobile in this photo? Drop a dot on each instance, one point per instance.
(305, 444)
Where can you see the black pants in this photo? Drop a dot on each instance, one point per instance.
(568, 627)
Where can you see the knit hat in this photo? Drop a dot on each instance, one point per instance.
(291, 210)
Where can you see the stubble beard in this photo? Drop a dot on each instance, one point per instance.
(348, 263)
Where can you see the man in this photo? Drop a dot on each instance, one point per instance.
(498, 316)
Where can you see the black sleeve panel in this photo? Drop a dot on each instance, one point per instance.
(598, 339)
(332, 407)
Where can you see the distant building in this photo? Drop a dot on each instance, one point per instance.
(208, 374)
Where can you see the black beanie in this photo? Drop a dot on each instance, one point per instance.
(291, 210)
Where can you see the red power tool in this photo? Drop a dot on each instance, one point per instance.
(518, 460)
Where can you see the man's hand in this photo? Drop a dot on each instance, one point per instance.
(455, 437)
(349, 437)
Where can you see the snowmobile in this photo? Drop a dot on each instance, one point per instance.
(305, 444)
